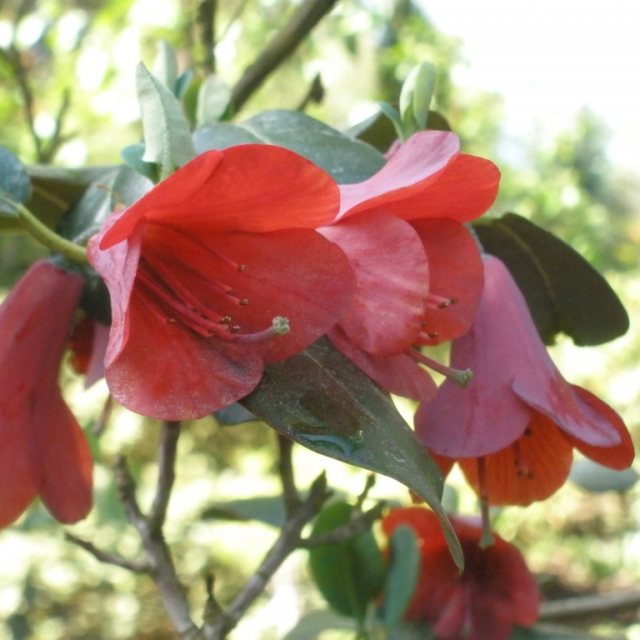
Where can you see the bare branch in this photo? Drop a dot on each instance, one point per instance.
(109, 558)
(280, 47)
(285, 469)
(591, 604)
(166, 474)
(286, 543)
(206, 20)
(315, 93)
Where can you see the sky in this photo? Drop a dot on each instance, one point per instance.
(549, 58)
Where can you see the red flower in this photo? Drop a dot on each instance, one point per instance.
(518, 416)
(43, 451)
(418, 270)
(203, 269)
(88, 346)
(495, 591)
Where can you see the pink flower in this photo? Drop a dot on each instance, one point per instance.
(204, 272)
(43, 451)
(513, 428)
(495, 592)
(418, 270)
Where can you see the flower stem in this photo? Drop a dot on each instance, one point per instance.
(47, 236)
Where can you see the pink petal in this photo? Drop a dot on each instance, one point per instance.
(421, 156)
(391, 281)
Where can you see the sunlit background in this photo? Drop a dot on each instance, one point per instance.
(546, 89)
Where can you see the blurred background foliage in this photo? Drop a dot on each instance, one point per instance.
(67, 73)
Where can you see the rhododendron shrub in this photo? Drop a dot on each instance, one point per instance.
(306, 276)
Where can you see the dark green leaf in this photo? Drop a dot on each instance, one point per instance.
(345, 159)
(402, 574)
(377, 130)
(563, 291)
(234, 414)
(14, 181)
(132, 157)
(321, 400)
(167, 137)
(349, 574)
(595, 478)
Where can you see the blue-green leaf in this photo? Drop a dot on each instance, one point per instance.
(15, 184)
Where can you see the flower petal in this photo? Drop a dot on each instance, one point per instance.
(543, 451)
(398, 374)
(62, 460)
(619, 456)
(168, 371)
(410, 165)
(252, 187)
(392, 279)
(456, 273)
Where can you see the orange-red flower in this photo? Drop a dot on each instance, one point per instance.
(43, 451)
(495, 592)
(418, 270)
(514, 427)
(207, 273)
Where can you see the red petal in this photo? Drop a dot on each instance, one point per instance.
(397, 374)
(249, 187)
(616, 457)
(62, 460)
(167, 371)
(456, 273)
(391, 281)
(408, 169)
(545, 453)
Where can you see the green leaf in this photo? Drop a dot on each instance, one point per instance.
(266, 509)
(563, 291)
(165, 66)
(345, 159)
(595, 478)
(166, 131)
(14, 181)
(402, 574)
(321, 400)
(213, 97)
(394, 117)
(349, 574)
(132, 156)
(415, 97)
(311, 625)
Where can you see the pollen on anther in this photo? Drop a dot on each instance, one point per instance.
(242, 267)
(225, 320)
(433, 334)
(243, 302)
(235, 328)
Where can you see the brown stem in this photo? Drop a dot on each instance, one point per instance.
(287, 542)
(285, 470)
(590, 604)
(109, 558)
(280, 47)
(167, 453)
(206, 19)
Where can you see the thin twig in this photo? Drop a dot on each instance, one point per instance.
(109, 558)
(156, 549)
(590, 604)
(280, 47)
(166, 474)
(315, 93)
(359, 524)
(285, 469)
(287, 542)
(206, 19)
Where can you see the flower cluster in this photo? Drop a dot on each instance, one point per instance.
(248, 255)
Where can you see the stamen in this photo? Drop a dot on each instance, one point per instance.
(486, 540)
(279, 327)
(434, 301)
(428, 335)
(459, 376)
(523, 470)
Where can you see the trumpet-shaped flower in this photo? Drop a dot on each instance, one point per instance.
(214, 272)
(43, 451)
(514, 427)
(495, 592)
(418, 270)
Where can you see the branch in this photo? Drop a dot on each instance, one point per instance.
(109, 558)
(591, 604)
(281, 46)
(285, 470)
(288, 541)
(166, 475)
(206, 19)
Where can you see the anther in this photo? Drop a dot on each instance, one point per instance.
(235, 328)
(225, 320)
(242, 267)
(243, 302)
